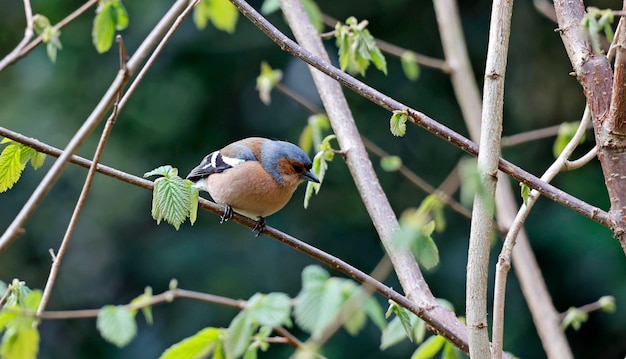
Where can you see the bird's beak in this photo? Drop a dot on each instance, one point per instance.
(309, 176)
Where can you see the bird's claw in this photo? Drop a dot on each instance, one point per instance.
(259, 227)
(228, 214)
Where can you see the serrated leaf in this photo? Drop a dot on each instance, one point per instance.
(103, 32)
(197, 346)
(166, 171)
(429, 348)
(319, 301)
(240, 332)
(37, 160)
(171, 200)
(193, 206)
(11, 166)
(410, 66)
(390, 163)
(397, 123)
(221, 13)
(393, 334)
(357, 47)
(271, 310)
(117, 325)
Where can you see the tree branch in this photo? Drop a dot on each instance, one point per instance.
(417, 117)
(28, 34)
(90, 123)
(608, 108)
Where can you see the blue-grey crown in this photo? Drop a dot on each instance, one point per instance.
(272, 151)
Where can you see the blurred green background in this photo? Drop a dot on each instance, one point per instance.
(200, 95)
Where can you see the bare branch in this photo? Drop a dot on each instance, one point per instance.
(90, 123)
(576, 164)
(24, 50)
(28, 34)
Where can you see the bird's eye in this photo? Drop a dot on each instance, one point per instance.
(298, 168)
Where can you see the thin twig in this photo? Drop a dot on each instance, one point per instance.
(28, 34)
(58, 258)
(91, 122)
(532, 135)
(576, 164)
(28, 48)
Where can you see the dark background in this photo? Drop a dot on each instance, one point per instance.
(200, 96)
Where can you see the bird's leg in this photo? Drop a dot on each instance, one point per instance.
(228, 214)
(259, 227)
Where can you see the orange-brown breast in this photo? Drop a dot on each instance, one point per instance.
(250, 191)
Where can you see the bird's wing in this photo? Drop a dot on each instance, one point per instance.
(220, 161)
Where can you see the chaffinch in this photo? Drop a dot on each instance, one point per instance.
(255, 177)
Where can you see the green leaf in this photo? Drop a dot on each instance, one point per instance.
(525, 192)
(167, 171)
(11, 166)
(270, 6)
(193, 207)
(197, 346)
(357, 47)
(567, 130)
(375, 312)
(450, 352)
(37, 160)
(117, 325)
(574, 318)
(271, 310)
(240, 332)
(319, 301)
(120, 15)
(103, 31)
(429, 348)
(141, 300)
(221, 13)
(266, 81)
(173, 198)
(21, 342)
(471, 183)
(355, 322)
(607, 303)
(314, 13)
(415, 232)
(410, 66)
(397, 124)
(393, 334)
(390, 163)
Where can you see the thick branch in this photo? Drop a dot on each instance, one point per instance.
(596, 77)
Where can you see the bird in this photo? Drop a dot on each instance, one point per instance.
(255, 177)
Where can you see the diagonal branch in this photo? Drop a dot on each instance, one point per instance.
(431, 315)
(417, 117)
(15, 228)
